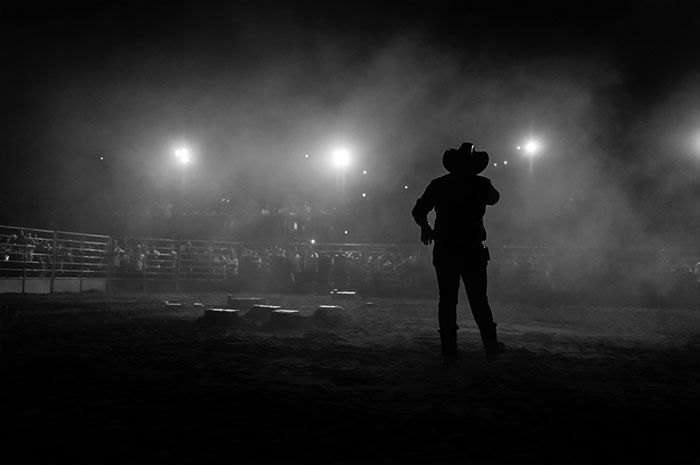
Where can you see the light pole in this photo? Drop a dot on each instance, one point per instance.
(182, 155)
(696, 149)
(531, 148)
(341, 160)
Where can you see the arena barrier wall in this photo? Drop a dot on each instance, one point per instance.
(43, 261)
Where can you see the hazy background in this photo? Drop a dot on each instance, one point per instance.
(95, 99)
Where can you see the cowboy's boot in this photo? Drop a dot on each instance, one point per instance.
(448, 344)
(489, 338)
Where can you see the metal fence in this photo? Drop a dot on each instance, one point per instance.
(36, 260)
(168, 264)
(42, 261)
(678, 277)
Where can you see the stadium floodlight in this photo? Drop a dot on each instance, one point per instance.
(183, 155)
(341, 158)
(531, 147)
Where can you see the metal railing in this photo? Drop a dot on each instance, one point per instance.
(35, 260)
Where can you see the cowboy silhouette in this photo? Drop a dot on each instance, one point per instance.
(460, 199)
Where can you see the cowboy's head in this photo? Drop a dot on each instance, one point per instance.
(465, 160)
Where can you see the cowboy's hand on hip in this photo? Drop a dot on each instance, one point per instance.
(426, 235)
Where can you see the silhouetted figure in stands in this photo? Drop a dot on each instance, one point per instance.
(696, 270)
(460, 199)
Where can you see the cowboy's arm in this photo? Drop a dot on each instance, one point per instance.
(492, 195)
(420, 214)
(423, 206)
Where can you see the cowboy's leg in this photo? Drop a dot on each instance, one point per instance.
(448, 287)
(475, 282)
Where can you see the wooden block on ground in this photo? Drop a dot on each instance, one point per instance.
(329, 316)
(285, 319)
(328, 309)
(223, 316)
(344, 295)
(261, 313)
(285, 313)
(243, 303)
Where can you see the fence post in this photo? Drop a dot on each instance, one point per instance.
(126, 266)
(178, 253)
(697, 277)
(110, 260)
(82, 263)
(53, 262)
(24, 270)
(144, 262)
(210, 265)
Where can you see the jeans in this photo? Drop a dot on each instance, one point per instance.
(468, 263)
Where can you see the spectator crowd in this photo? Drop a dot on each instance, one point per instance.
(652, 278)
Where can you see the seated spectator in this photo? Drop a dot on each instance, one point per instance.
(44, 256)
(697, 280)
(138, 258)
(116, 254)
(63, 256)
(152, 257)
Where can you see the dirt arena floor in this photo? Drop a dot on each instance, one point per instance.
(125, 379)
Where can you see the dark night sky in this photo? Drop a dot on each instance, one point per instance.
(252, 85)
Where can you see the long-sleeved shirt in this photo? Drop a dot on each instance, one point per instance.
(460, 204)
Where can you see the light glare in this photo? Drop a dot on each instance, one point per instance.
(183, 155)
(341, 158)
(531, 147)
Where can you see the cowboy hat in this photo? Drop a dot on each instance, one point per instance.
(465, 159)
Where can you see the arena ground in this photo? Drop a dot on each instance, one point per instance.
(125, 379)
